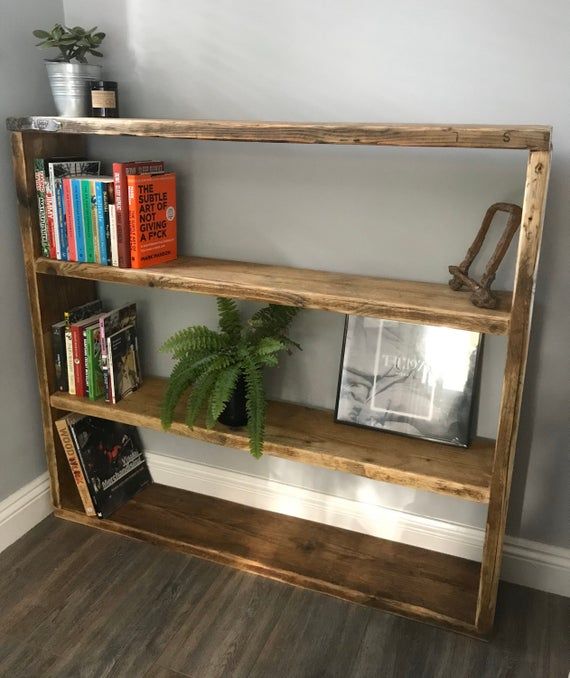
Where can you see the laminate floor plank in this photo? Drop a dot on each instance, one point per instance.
(228, 629)
(76, 602)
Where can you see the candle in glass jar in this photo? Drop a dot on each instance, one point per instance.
(104, 99)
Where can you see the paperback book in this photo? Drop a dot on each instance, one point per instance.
(152, 216)
(121, 170)
(418, 380)
(123, 363)
(109, 324)
(111, 458)
(72, 316)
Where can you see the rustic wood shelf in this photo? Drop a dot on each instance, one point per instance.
(420, 302)
(421, 584)
(311, 436)
(396, 577)
(531, 137)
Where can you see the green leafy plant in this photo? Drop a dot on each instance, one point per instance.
(73, 43)
(212, 362)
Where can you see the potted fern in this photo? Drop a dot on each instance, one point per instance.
(225, 368)
(69, 73)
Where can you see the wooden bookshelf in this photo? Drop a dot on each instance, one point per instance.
(310, 436)
(442, 589)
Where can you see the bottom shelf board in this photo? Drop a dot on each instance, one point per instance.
(403, 579)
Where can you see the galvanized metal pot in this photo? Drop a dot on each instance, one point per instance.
(70, 87)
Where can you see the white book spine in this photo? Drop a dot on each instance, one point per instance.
(113, 233)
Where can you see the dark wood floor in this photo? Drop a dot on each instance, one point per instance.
(78, 602)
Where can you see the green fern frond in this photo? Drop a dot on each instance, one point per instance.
(269, 345)
(183, 374)
(193, 339)
(272, 320)
(222, 392)
(199, 394)
(229, 318)
(256, 405)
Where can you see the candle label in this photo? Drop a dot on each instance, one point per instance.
(103, 98)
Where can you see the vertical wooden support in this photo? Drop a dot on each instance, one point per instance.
(525, 278)
(49, 296)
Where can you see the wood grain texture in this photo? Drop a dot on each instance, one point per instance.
(48, 298)
(396, 577)
(535, 137)
(534, 204)
(418, 302)
(311, 436)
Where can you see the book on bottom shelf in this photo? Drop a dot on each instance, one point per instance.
(106, 459)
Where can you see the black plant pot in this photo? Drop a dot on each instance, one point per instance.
(235, 412)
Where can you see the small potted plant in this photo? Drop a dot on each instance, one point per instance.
(69, 73)
(225, 368)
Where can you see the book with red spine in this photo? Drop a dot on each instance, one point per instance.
(152, 214)
(120, 172)
(78, 348)
(69, 219)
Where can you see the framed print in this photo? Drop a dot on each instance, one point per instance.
(417, 380)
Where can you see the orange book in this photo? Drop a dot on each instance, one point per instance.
(152, 218)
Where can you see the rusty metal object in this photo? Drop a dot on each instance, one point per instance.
(481, 294)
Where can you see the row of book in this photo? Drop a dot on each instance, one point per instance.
(106, 459)
(126, 219)
(96, 352)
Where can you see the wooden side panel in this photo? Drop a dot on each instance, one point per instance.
(527, 260)
(48, 297)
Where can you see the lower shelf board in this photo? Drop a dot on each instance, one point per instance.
(403, 579)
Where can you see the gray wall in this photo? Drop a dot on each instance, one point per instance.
(24, 89)
(395, 212)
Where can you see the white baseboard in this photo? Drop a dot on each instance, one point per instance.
(528, 563)
(23, 509)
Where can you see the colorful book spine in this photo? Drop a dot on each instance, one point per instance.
(59, 355)
(152, 214)
(94, 221)
(103, 225)
(40, 177)
(93, 362)
(87, 220)
(78, 219)
(78, 360)
(69, 220)
(113, 234)
(120, 172)
(75, 465)
(50, 222)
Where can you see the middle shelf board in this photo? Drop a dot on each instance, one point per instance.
(415, 302)
(311, 436)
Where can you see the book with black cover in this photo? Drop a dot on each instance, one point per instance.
(417, 380)
(123, 363)
(112, 460)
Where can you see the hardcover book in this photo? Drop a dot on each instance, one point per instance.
(152, 218)
(109, 324)
(123, 363)
(112, 460)
(63, 428)
(418, 380)
(121, 170)
(59, 355)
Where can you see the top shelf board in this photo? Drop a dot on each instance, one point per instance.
(532, 137)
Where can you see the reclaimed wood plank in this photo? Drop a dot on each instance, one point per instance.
(311, 436)
(395, 577)
(418, 302)
(535, 137)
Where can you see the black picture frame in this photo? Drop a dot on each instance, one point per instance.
(459, 432)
